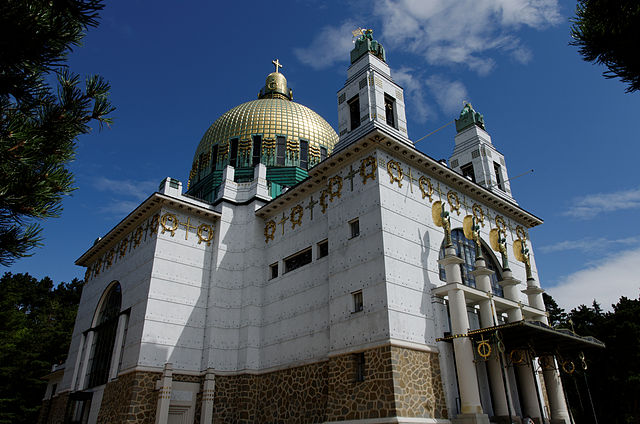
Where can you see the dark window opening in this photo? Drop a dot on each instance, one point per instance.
(298, 260)
(323, 153)
(354, 112)
(359, 366)
(390, 110)
(280, 150)
(214, 157)
(105, 336)
(498, 171)
(354, 226)
(304, 154)
(233, 155)
(323, 249)
(257, 150)
(273, 270)
(467, 171)
(466, 250)
(358, 304)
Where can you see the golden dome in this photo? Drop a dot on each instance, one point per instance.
(270, 117)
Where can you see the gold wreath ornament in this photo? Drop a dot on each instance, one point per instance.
(454, 201)
(109, 257)
(153, 225)
(428, 191)
(137, 237)
(323, 199)
(517, 357)
(202, 228)
(123, 247)
(269, 231)
(484, 349)
(478, 213)
(520, 233)
(366, 162)
(568, 366)
(169, 218)
(296, 216)
(335, 181)
(391, 165)
(500, 223)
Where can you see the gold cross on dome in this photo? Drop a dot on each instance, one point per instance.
(277, 64)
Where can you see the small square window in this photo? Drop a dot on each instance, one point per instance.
(358, 305)
(354, 226)
(273, 271)
(359, 363)
(323, 248)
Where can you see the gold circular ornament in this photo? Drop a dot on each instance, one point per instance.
(568, 366)
(269, 231)
(369, 161)
(296, 216)
(478, 213)
(428, 191)
(517, 357)
(202, 228)
(484, 349)
(454, 201)
(391, 165)
(169, 222)
(335, 187)
(436, 213)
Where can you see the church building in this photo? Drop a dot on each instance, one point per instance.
(304, 275)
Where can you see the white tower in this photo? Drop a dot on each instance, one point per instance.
(476, 158)
(370, 99)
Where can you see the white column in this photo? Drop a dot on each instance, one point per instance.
(164, 394)
(85, 362)
(482, 276)
(117, 346)
(471, 409)
(208, 396)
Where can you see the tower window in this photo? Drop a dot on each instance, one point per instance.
(354, 112)
(280, 150)
(257, 150)
(467, 171)
(498, 170)
(390, 110)
(233, 155)
(304, 154)
(354, 227)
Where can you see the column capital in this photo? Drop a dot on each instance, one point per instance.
(508, 281)
(481, 270)
(533, 290)
(450, 260)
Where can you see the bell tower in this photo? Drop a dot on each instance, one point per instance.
(475, 157)
(370, 98)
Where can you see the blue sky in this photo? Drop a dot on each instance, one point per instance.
(176, 67)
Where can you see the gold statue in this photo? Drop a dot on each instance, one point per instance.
(441, 219)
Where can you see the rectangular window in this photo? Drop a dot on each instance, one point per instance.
(323, 248)
(498, 171)
(354, 227)
(280, 150)
(214, 157)
(390, 110)
(358, 304)
(297, 260)
(257, 150)
(467, 171)
(323, 153)
(354, 112)
(304, 154)
(233, 155)
(273, 271)
(359, 366)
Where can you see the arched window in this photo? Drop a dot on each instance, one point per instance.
(466, 249)
(105, 328)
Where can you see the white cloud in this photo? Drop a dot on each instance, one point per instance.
(448, 94)
(588, 244)
(614, 276)
(139, 190)
(414, 92)
(331, 44)
(464, 32)
(590, 206)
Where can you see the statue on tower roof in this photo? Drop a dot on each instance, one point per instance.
(469, 117)
(365, 43)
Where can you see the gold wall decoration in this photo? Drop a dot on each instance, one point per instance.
(296, 216)
(153, 225)
(323, 200)
(137, 237)
(500, 223)
(282, 221)
(269, 230)
(371, 162)
(169, 222)
(478, 214)
(87, 274)
(124, 244)
(202, 229)
(520, 233)
(426, 187)
(97, 267)
(454, 201)
(436, 213)
(391, 165)
(334, 185)
(109, 257)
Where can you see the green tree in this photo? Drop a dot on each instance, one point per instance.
(36, 322)
(557, 315)
(39, 123)
(607, 33)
